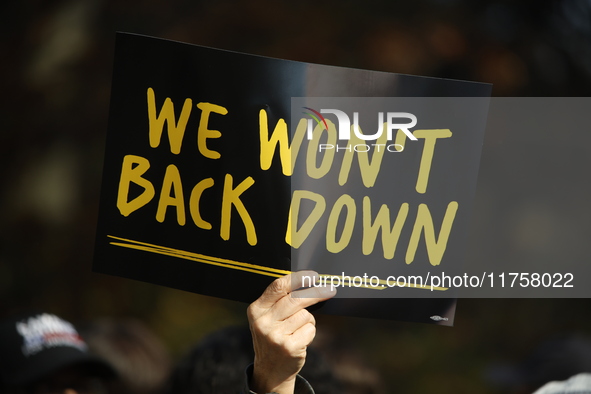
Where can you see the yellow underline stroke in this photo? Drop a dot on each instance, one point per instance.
(257, 269)
(172, 254)
(193, 256)
(226, 263)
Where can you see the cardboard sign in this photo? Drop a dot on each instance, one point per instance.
(224, 170)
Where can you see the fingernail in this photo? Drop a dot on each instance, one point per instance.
(327, 291)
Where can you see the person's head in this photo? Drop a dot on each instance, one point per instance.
(216, 364)
(41, 353)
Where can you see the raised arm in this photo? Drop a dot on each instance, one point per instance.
(282, 329)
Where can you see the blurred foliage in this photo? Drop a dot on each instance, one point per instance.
(56, 63)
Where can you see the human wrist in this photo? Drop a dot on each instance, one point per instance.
(265, 381)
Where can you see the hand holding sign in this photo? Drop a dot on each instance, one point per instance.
(282, 329)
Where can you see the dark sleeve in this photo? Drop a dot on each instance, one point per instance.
(301, 386)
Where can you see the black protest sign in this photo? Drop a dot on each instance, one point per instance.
(211, 178)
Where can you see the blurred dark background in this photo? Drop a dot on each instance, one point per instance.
(56, 59)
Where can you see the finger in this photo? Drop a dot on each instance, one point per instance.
(280, 287)
(303, 336)
(303, 279)
(298, 320)
(320, 292)
(290, 304)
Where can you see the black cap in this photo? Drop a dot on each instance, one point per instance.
(33, 347)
